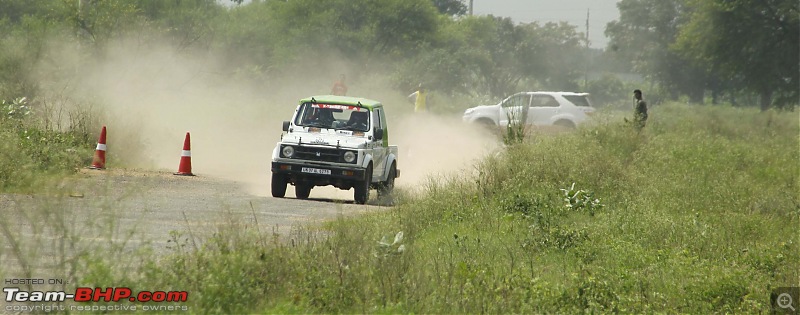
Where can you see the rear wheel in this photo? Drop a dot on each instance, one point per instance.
(361, 194)
(278, 185)
(565, 124)
(302, 191)
(487, 123)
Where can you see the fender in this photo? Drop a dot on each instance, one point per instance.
(498, 116)
(492, 118)
(391, 158)
(487, 112)
(367, 160)
(276, 152)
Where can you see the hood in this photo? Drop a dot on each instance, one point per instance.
(326, 137)
(479, 109)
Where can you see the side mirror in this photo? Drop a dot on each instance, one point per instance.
(378, 134)
(285, 126)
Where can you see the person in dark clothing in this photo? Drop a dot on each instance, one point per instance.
(639, 110)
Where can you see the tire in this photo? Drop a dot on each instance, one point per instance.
(565, 123)
(486, 123)
(302, 191)
(278, 185)
(361, 194)
(387, 187)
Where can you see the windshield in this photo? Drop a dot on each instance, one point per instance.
(333, 116)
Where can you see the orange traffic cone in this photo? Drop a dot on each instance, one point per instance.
(99, 160)
(185, 168)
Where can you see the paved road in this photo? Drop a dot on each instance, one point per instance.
(136, 208)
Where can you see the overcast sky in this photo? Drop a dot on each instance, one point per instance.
(570, 11)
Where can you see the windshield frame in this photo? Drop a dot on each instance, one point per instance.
(337, 116)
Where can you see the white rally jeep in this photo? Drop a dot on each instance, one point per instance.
(335, 140)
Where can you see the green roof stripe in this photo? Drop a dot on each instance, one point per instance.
(343, 100)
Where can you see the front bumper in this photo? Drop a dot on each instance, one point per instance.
(336, 172)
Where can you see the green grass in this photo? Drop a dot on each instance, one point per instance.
(696, 214)
(32, 150)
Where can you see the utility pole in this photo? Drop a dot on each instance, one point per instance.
(587, 28)
(588, 55)
(470, 7)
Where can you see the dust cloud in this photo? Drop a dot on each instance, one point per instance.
(150, 95)
(435, 146)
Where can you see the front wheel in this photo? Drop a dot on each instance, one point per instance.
(302, 191)
(387, 187)
(487, 124)
(361, 194)
(278, 185)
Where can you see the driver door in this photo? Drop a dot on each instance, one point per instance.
(514, 109)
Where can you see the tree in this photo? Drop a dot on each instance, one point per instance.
(15, 10)
(450, 7)
(753, 44)
(644, 35)
(103, 20)
(496, 54)
(186, 22)
(491, 57)
(359, 29)
(556, 56)
(402, 25)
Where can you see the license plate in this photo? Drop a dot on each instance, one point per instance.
(315, 171)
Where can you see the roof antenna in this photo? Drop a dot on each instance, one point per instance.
(313, 100)
(359, 104)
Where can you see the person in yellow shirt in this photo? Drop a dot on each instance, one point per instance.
(419, 98)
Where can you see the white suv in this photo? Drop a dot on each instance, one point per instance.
(566, 109)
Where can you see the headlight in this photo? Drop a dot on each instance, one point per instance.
(349, 156)
(469, 112)
(287, 151)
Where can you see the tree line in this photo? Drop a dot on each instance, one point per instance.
(728, 50)
(724, 48)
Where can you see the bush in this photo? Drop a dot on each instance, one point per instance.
(30, 149)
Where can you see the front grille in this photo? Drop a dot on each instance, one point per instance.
(318, 154)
